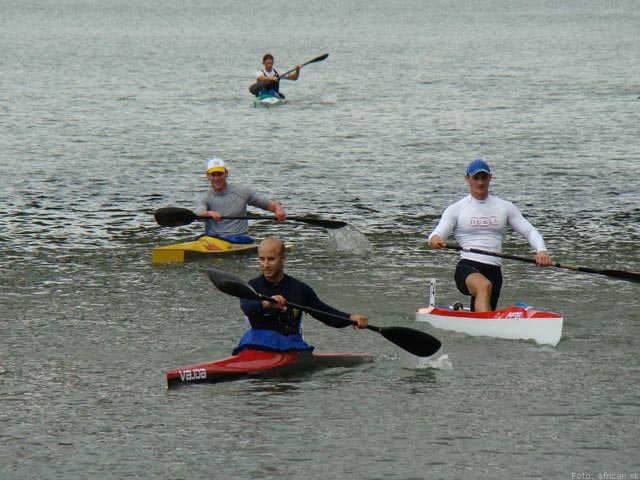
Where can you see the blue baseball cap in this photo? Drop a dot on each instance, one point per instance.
(478, 165)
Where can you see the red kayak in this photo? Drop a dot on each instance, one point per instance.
(258, 363)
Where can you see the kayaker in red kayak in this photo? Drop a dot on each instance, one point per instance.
(274, 326)
(231, 200)
(271, 77)
(480, 221)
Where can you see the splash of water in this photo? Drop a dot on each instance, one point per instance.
(329, 98)
(439, 361)
(349, 240)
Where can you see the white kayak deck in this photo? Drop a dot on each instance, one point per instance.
(520, 321)
(267, 101)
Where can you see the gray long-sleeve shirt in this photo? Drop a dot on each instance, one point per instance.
(232, 203)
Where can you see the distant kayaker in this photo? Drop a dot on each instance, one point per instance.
(231, 200)
(274, 326)
(272, 76)
(480, 221)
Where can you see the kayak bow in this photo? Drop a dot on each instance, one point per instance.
(267, 100)
(520, 321)
(262, 364)
(203, 246)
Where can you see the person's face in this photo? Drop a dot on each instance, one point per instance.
(218, 180)
(268, 64)
(271, 261)
(479, 185)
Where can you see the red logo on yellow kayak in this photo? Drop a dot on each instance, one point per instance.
(212, 247)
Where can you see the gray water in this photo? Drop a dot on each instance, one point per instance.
(109, 110)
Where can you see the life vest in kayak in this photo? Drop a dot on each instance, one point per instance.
(271, 88)
(270, 340)
(228, 238)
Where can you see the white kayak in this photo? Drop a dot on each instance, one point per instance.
(519, 321)
(267, 100)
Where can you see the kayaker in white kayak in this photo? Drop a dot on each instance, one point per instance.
(480, 221)
(274, 326)
(272, 76)
(231, 200)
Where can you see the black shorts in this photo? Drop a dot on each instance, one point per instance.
(493, 273)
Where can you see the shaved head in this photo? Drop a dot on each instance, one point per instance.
(271, 254)
(272, 243)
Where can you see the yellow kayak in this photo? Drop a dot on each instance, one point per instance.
(202, 246)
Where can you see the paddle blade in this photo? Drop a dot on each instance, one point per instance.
(174, 216)
(317, 59)
(318, 222)
(634, 277)
(416, 342)
(232, 285)
(255, 88)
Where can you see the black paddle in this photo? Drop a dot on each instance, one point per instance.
(413, 341)
(255, 88)
(634, 277)
(177, 217)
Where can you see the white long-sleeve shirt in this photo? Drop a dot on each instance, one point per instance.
(482, 224)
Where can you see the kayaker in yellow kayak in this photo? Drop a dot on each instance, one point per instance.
(480, 221)
(271, 76)
(231, 200)
(277, 327)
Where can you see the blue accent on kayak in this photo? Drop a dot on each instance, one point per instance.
(228, 238)
(270, 92)
(526, 306)
(270, 340)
